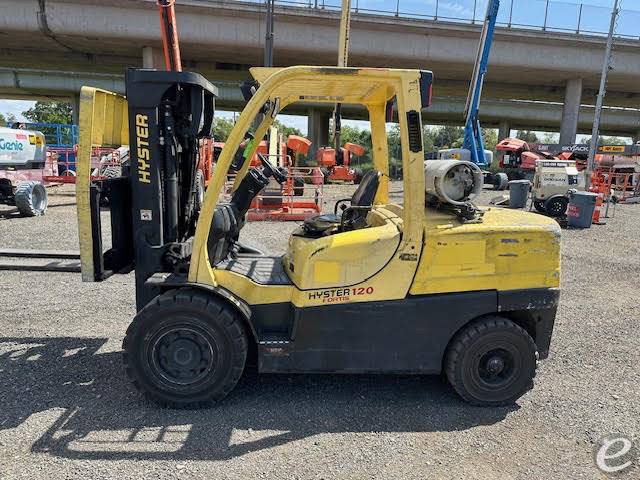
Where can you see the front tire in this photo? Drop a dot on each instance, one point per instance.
(491, 362)
(185, 349)
(539, 206)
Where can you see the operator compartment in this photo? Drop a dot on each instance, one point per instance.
(346, 258)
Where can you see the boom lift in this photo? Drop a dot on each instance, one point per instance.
(473, 144)
(375, 287)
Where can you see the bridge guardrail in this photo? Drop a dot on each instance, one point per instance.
(543, 15)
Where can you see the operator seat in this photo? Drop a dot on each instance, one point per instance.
(354, 216)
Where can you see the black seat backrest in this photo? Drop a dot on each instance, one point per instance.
(366, 191)
(363, 199)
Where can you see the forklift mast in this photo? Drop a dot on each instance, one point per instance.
(152, 206)
(473, 140)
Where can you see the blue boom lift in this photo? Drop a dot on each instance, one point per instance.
(473, 145)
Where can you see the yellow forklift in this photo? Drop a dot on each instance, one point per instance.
(433, 285)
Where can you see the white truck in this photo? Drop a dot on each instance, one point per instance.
(23, 163)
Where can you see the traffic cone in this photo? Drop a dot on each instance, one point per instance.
(598, 210)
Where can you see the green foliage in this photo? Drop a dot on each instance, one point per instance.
(490, 136)
(221, 128)
(606, 141)
(7, 120)
(49, 112)
(286, 131)
(527, 136)
(447, 137)
(549, 137)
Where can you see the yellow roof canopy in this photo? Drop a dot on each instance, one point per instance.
(310, 84)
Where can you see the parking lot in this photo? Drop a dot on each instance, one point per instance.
(68, 410)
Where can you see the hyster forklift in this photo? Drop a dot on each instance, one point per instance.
(423, 287)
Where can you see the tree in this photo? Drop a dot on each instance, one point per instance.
(221, 129)
(447, 137)
(286, 131)
(7, 120)
(549, 137)
(606, 141)
(527, 136)
(490, 136)
(49, 112)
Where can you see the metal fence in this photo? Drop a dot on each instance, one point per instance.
(543, 15)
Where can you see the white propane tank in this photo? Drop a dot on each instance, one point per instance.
(453, 181)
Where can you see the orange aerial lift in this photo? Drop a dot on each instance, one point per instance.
(299, 196)
(337, 167)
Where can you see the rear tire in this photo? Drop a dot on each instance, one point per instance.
(31, 199)
(185, 349)
(556, 206)
(491, 362)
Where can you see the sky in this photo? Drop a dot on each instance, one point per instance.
(564, 14)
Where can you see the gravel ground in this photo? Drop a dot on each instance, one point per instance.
(68, 411)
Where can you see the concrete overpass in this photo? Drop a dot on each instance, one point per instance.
(50, 47)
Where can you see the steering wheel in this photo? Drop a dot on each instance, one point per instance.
(270, 170)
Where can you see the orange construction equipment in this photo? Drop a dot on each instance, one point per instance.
(598, 210)
(620, 185)
(297, 199)
(300, 197)
(170, 42)
(336, 168)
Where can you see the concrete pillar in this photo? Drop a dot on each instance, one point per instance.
(504, 130)
(75, 108)
(571, 111)
(318, 129)
(152, 58)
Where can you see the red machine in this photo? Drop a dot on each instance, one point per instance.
(335, 168)
(518, 159)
